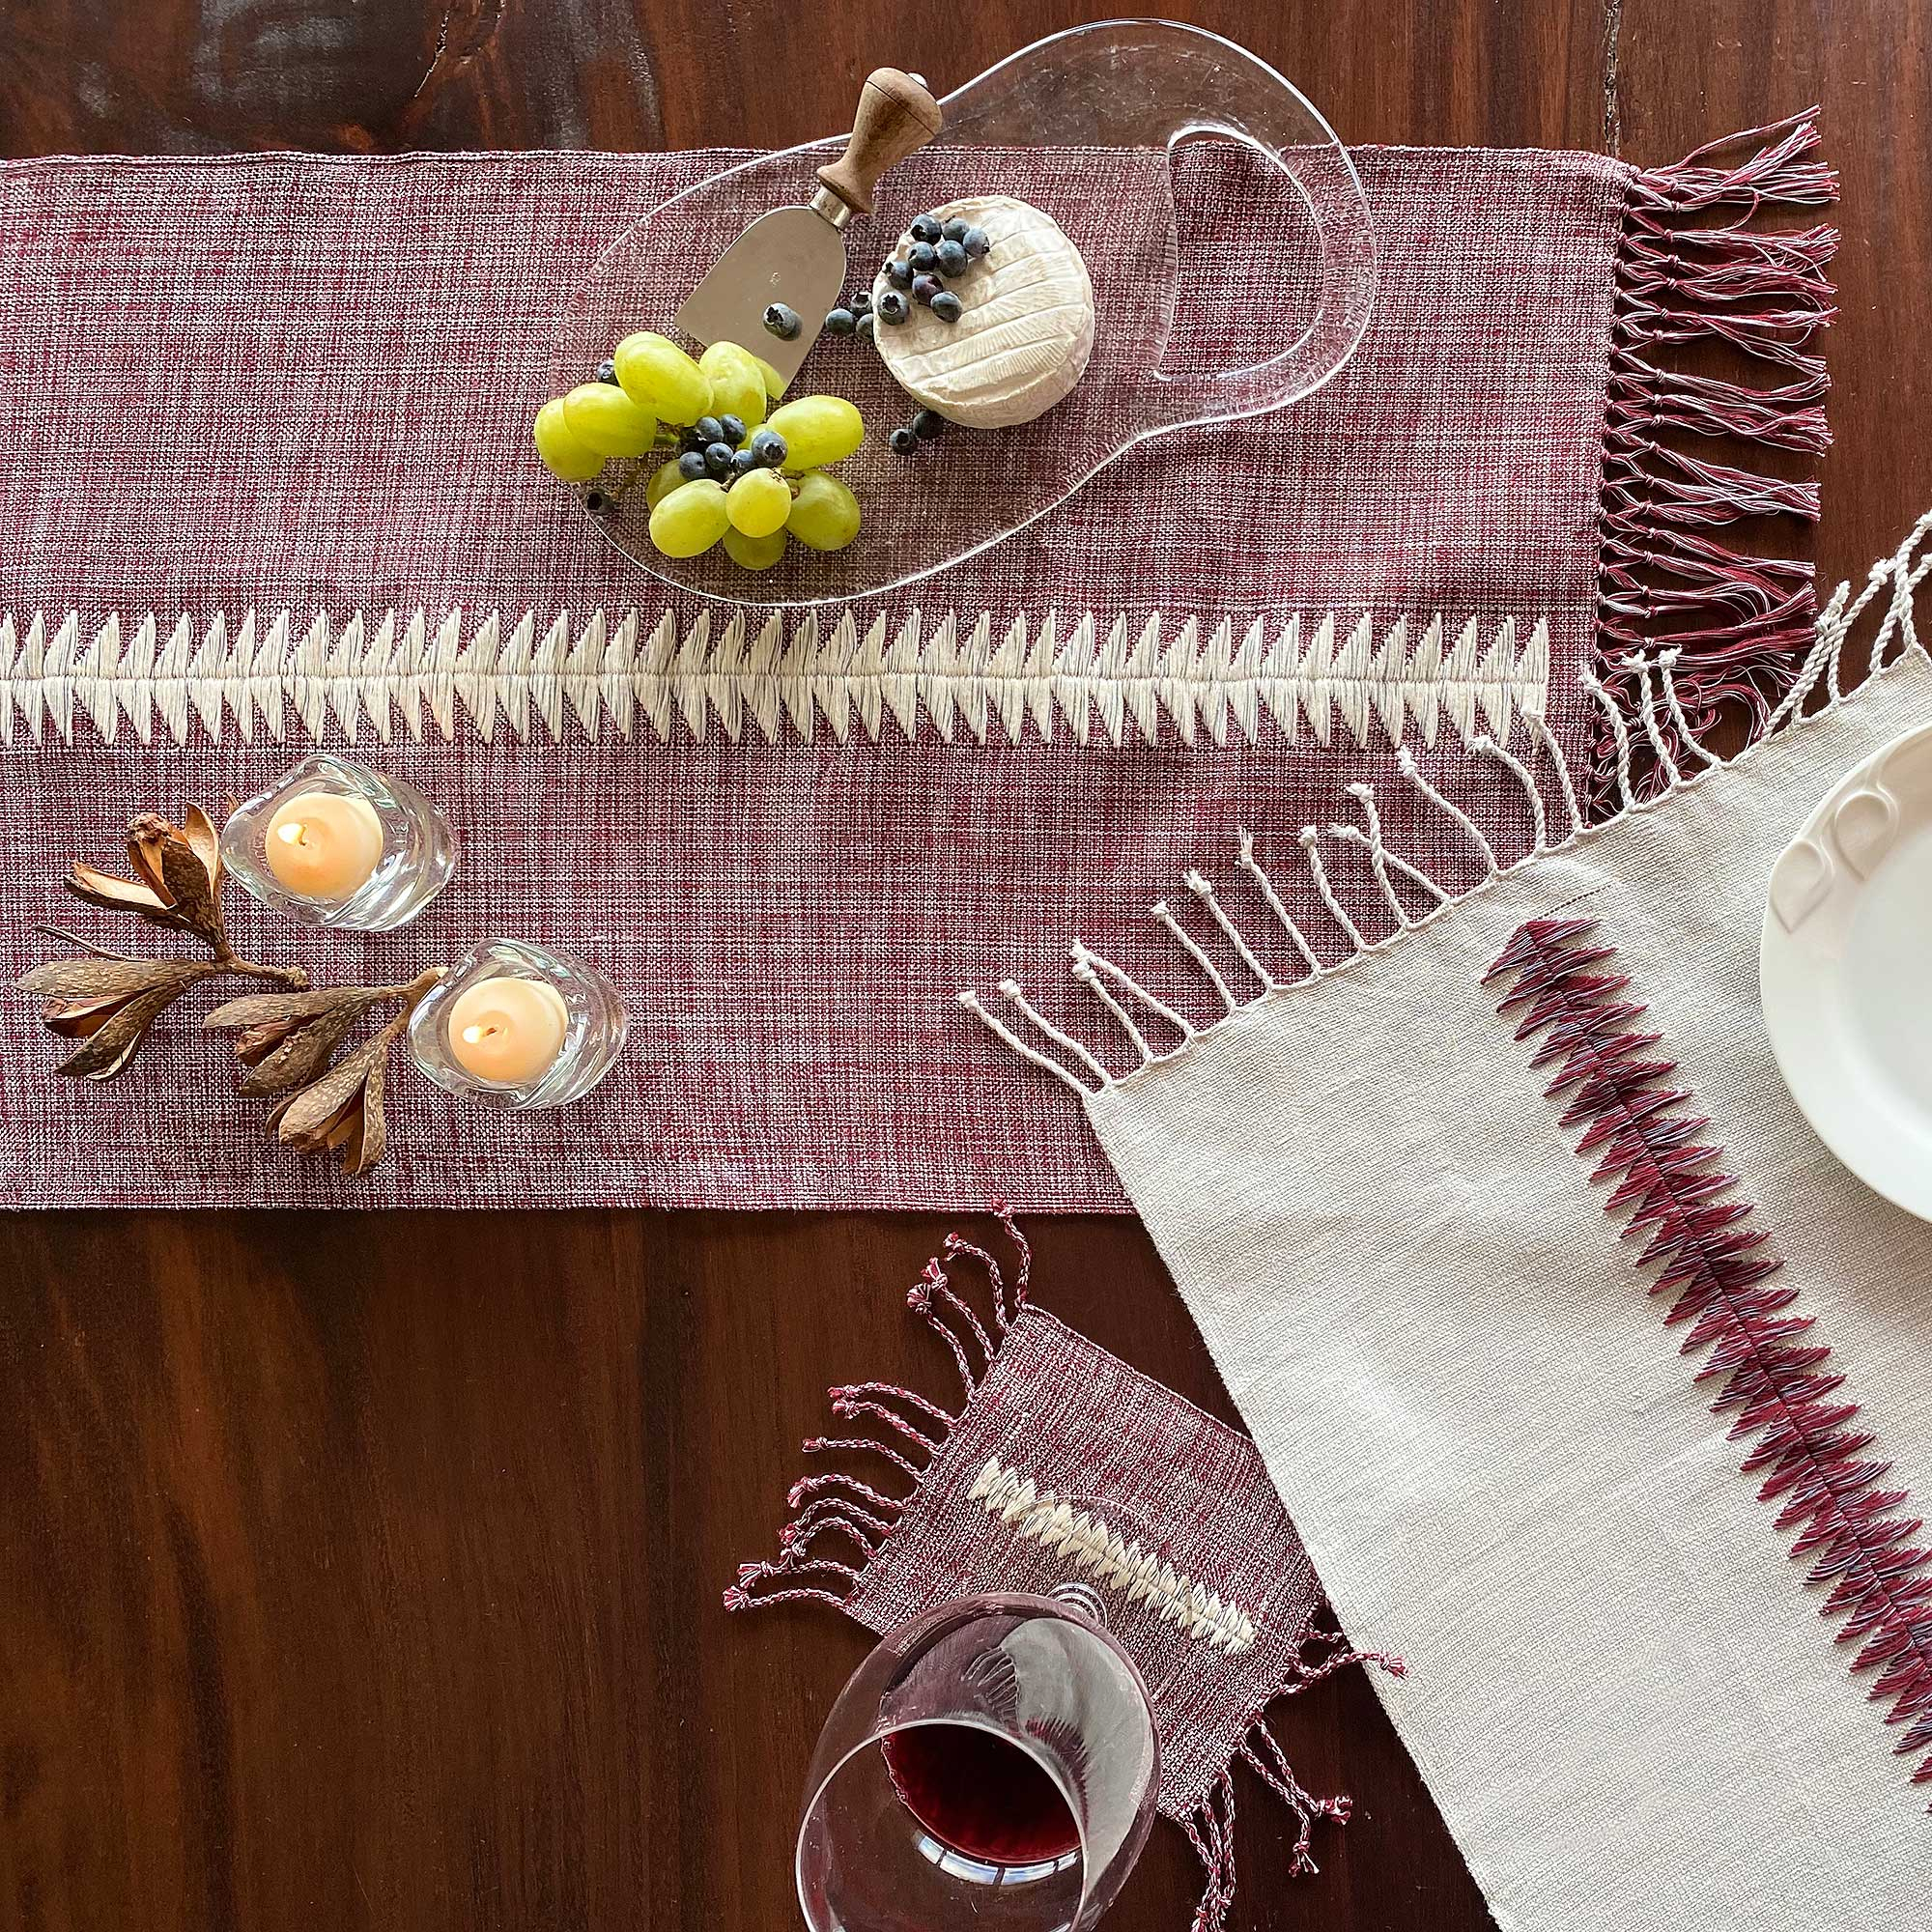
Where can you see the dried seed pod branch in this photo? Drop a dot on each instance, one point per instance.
(109, 999)
(343, 1108)
(284, 1041)
(177, 883)
(108, 1005)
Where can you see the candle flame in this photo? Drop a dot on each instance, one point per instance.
(293, 833)
(472, 1033)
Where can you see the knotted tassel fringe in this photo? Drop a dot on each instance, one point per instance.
(1210, 1826)
(1696, 266)
(903, 1430)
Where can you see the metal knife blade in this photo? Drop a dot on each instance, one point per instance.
(797, 255)
(792, 255)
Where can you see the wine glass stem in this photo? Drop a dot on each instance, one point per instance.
(1081, 1597)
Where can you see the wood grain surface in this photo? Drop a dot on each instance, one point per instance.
(363, 1572)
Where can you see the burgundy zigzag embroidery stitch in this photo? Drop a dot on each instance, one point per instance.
(1719, 1268)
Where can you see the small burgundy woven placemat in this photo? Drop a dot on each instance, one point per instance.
(1063, 1464)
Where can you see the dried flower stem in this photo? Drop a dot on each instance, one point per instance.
(282, 975)
(68, 938)
(430, 976)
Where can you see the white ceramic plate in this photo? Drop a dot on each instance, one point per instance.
(1845, 969)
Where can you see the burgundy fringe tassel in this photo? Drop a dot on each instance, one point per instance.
(1717, 1267)
(1696, 267)
(907, 1431)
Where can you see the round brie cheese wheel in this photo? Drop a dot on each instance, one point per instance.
(1027, 331)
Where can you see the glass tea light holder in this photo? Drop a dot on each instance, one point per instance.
(334, 843)
(993, 1765)
(519, 1025)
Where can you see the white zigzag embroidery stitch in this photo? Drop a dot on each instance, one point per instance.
(1039, 1516)
(397, 672)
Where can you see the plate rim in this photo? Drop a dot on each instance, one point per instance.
(1772, 935)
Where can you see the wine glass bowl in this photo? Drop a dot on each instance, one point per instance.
(993, 1763)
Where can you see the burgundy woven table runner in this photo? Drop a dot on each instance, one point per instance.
(270, 484)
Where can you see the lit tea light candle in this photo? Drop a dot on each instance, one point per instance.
(323, 844)
(507, 1031)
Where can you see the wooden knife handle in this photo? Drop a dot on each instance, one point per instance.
(896, 117)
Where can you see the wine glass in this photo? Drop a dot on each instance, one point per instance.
(993, 1763)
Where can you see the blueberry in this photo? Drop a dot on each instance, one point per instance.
(781, 319)
(903, 440)
(899, 273)
(599, 504)
(731, 430)
(691, 466)
(926, 229)
(892, 306)
(607, 371)
(955, 229)
(839, 322)
(718, 459)
(976, 241)
(952, 258)
(769, 447)
(743, 463)
(948, 306)
(928, 424)
(862, 302)
(926, 287)
(923, 257)
(707, 430)
(865, 325)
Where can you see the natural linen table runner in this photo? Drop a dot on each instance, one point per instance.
(270, 484)
(1564, 1473)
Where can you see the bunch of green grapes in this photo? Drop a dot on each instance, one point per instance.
(741, 473)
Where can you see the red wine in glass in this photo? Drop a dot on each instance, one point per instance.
(979, 1795)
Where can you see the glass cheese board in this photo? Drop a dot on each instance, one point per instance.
(1003, 322)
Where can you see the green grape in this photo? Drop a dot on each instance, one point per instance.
(759, 504)
(602, 417)
(666, 479)
(737, 383)
(824, 513)
(754, 553)
(658, 375)
(563, 455)
(818, 429)
(775, 383)
(689, 521)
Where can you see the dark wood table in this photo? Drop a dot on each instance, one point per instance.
(364, 1570)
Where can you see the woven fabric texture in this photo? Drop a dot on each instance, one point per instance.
(268, 383)
(1497, 1453)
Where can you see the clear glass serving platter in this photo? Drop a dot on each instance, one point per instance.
(1085, 126)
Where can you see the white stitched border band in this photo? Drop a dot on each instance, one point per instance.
(276, 675)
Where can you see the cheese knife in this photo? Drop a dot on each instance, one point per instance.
(796, 256)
